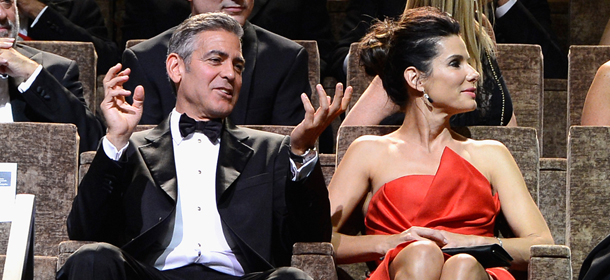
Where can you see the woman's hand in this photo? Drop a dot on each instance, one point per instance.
(460, 240)
(413, 234)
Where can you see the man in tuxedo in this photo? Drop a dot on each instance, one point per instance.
(297, 20)
(69, 20)
(37, 86)
(529, 22)
(197, 197)
(275, 76)
(144, 19)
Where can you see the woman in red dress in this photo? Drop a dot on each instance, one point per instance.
(425, 187)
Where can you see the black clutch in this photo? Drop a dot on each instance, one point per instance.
(488, 255)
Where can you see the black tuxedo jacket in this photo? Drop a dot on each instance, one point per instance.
(275, 76)
(131, 203)
(529, 22)
(77, 20)
(297, 20)
(55, 96)
(145, 19)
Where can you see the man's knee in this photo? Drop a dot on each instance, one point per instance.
(97, 252)
(97, 257)
(289, 273)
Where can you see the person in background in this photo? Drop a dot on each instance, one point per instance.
(529, 22)
(144, 19)
(69, 20)
(297, 20)
(595, 110)
(275, 76)
(37, 86)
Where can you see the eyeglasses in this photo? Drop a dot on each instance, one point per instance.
(7, 4)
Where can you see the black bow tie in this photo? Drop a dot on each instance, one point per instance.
(211, 128)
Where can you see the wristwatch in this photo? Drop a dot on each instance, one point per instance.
(306, 157)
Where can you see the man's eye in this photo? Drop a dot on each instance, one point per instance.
(7, 4)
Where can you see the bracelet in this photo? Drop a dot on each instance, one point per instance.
(500, 240)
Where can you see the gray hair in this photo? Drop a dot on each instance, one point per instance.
(184, 38)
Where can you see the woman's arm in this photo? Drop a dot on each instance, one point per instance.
(348, 187)
(372, 107)
(605, 40)
(518, 207)
(597, 102)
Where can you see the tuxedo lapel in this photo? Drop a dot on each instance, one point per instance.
(232, 158)
(161, 164)
(250, 52)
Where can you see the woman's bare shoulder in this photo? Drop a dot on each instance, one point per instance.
(487, 155)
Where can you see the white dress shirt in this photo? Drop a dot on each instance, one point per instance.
(197, 236)
(23, 22)
(502, 10)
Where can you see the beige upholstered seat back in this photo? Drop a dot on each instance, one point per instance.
(313, 63)
(522, 68)
(587, 20)
(583, 64)
(47, 161)
(356, 77)
(588, 193)
(85, 56)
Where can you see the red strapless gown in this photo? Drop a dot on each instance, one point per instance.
(457, 199)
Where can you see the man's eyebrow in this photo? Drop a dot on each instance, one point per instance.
(217, 52)
(224, 55)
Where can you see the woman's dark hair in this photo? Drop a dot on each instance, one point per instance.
(392, 46)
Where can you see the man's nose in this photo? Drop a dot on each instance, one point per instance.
(228, 71)
(2, 14)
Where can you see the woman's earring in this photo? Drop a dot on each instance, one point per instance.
(427, 97)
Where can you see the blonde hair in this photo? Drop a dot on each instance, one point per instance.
(466, 12)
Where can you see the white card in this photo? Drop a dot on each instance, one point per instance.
(8, 189)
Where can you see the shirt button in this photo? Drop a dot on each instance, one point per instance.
(199, 171)
(198, 140)
(199, 209)
(199, 244)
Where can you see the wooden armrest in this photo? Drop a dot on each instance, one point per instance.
(550, 262)
(316, 259)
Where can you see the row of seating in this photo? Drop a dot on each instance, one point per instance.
(571, 193)
(550, 105)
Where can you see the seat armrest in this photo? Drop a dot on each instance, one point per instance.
(550, 262)
(315, 259)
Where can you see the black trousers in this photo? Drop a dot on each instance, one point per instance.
(106, 261)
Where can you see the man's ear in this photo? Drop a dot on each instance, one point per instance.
(412, 77)
(175, 67)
